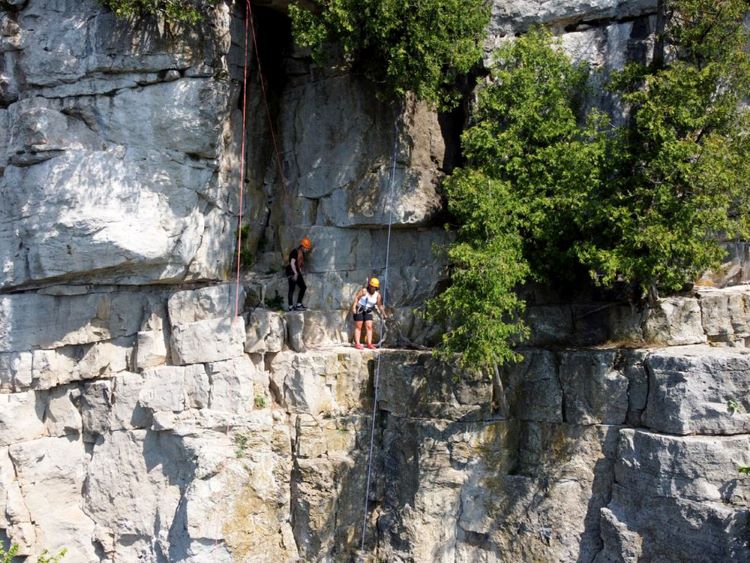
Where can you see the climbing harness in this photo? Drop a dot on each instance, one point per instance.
(367, 303)
(376, 381)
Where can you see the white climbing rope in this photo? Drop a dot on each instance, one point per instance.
(376, 379)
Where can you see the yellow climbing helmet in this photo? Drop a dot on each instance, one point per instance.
(374, 282)
(305, 243)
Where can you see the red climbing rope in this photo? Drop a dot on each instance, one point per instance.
(242, 161)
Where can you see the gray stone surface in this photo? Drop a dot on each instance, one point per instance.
(80, 362)
(108, 138)
(113, 405)
(62, 418)
(59, 463)
(210, 340)
(36, 321)
(532, 387)
(173, 389)
(677, 498)
(734, 271)
(266, 332)
(724, 314)
(232, 386)
(695, 468)
(674, 321)
(119, 165)
(21, 417)
(15, 371)
(151, 349)
(692, 390)
(295, 328)
(211, 302)
(14, 518)
(350, 123)
(594, 390)
(518, 15)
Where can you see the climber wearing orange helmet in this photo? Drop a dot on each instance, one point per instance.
(366, 301)
(294, 274)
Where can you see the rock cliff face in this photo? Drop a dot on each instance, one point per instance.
(140, 420)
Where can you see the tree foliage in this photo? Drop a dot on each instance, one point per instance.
(480, 308)
(527, 158)
(680, 170)
(418, 46)
(175, 11)
(549, 189)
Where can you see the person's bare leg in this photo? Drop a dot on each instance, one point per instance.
(357, 331)
(368, 327)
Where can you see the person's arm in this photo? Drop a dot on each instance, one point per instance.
(293, 264)
(380, 306)
(356, 300)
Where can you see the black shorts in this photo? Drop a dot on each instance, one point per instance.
(363, 316)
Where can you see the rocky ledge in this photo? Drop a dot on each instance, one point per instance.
(164, 429)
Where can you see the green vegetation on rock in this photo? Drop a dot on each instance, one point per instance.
(528, 158)
(45, 557)
(175, 11)
(421, 47)
(680, 169)
(549, 190)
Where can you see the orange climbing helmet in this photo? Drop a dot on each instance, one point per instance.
(305, 243)
(374, 282)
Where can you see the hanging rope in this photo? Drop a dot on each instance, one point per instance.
(265, 100)
(242, 161)
(376, 379)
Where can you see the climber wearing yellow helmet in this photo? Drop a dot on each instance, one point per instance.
(294, 274)
(365, 301)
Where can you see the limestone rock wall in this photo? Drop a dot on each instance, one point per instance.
(141, 420)
(165, 429)
(116, 148)
(590, 453)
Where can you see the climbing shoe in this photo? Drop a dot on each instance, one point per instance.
(357, 345)
(300, 307)
(290, 308)
(371, 346)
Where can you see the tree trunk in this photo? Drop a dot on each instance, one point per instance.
(499, 402)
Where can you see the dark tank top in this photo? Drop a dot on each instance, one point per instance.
(299, 257)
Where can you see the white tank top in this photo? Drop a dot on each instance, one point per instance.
(368, 301)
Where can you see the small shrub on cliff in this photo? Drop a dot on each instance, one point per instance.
(45, 557)
(7, 556)
(421, 47)
(176, 11)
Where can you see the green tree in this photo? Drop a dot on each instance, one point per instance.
(529, 162)
(403, 45)
(480, 309)
(176, 11)
(645, 204)
(680, 168)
